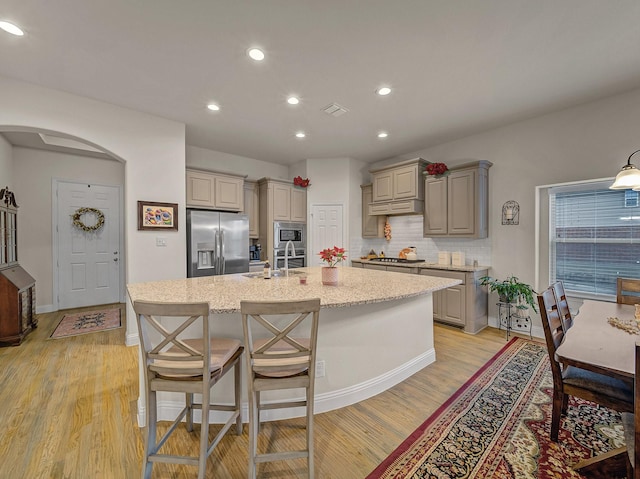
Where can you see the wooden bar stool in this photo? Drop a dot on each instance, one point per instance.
(280, 341)
(174, 363)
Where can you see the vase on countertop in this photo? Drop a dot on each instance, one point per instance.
(330, 275)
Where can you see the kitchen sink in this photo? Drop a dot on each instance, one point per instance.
(275, 274)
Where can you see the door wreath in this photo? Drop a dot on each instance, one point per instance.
(78, 223)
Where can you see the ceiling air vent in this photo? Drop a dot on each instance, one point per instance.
(335, 110)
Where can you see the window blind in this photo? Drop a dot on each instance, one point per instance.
(594, 237)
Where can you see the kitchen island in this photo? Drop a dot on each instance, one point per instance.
(376, 328)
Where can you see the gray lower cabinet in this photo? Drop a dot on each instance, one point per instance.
(462, 305)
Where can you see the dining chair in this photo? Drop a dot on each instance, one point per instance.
(624, 286)
(573, 381)
(174, 362)
(562, 305)
(280, 340)
(631, 425)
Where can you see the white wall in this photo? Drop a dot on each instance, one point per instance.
(239, 165)
(152, 148)
(33, 172)
(6, 163)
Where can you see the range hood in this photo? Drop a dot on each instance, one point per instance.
(396, 208)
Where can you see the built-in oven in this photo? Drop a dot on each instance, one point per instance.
(284, 232)
(298, 261)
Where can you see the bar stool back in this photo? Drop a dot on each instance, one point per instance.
(174, 362)
(280, 340)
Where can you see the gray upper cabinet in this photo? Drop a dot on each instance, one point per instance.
(214, 191)
(398, 189)
(372, 226)
(457, 204)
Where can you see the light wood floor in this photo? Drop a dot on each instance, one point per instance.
(68, 410)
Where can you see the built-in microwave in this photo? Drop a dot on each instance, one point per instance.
(284, 232)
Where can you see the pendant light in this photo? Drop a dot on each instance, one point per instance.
(629, 176)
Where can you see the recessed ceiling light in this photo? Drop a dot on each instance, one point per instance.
(385, 90)
(256, 54)
(301, 134)
(293, 100)
(383, 134)
(11, 28)
(213, 107)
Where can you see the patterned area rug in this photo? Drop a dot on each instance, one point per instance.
(497, 426)
(87, 322)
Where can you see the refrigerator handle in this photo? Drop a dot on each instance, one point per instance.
(223, 266)
(216, 253)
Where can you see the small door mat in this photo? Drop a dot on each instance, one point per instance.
(87, 322)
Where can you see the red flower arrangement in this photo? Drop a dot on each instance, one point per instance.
(333, 256)
(298, 181)
(436, 169)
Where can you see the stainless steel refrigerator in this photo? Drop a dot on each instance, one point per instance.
(217, 243)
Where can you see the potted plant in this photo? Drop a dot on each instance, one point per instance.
(511, 290)
(331, 256)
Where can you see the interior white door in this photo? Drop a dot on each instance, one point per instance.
(88, 266)
(326, 230)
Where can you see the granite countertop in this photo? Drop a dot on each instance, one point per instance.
(426, 265)
(355, 286)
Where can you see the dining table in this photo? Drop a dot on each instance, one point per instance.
(602, 339)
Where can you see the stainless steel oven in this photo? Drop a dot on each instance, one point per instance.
(297, 261)
(284, 232)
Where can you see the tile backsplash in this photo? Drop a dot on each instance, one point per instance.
(407, 231)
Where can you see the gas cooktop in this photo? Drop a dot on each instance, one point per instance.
(396, 260)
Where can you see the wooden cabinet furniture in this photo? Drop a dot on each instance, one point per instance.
(17, 304)
(372, 226)
(17, 287)
(214, 191)
(252, 207)
(462, 305)
(282, 201)
(398, 189)
(458, 204)
(278, 200)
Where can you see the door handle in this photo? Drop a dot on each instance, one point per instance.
(222, 263)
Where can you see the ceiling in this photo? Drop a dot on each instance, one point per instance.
(455, 67)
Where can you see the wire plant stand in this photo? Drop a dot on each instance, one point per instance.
(511, 318)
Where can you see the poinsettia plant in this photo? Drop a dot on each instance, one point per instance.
(333, 256)
(303, 183)
(436, 169)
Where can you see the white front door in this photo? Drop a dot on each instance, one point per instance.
(88, 263)
(326, 231)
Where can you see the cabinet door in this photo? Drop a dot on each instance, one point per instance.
(383, 186)
(372, 226)
(461, 199)
(405, 182)
(200, 188)
(228, 193)
(453, 305)
(251, 208)
(281, 202)
(379, 267)
(298, 205)
(435, 206)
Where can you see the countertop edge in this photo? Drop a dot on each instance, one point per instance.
(426, 265)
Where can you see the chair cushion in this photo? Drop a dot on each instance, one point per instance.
(222, 349)
(598, 383)
(628, 424)
(280, 367)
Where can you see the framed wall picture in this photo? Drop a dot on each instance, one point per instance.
(157, 216)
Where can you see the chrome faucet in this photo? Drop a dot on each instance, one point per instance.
(286, 254)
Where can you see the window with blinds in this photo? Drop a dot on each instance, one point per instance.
(594, 237)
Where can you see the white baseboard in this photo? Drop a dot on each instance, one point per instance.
(168, 410)
(536, 331)
(46, 308)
